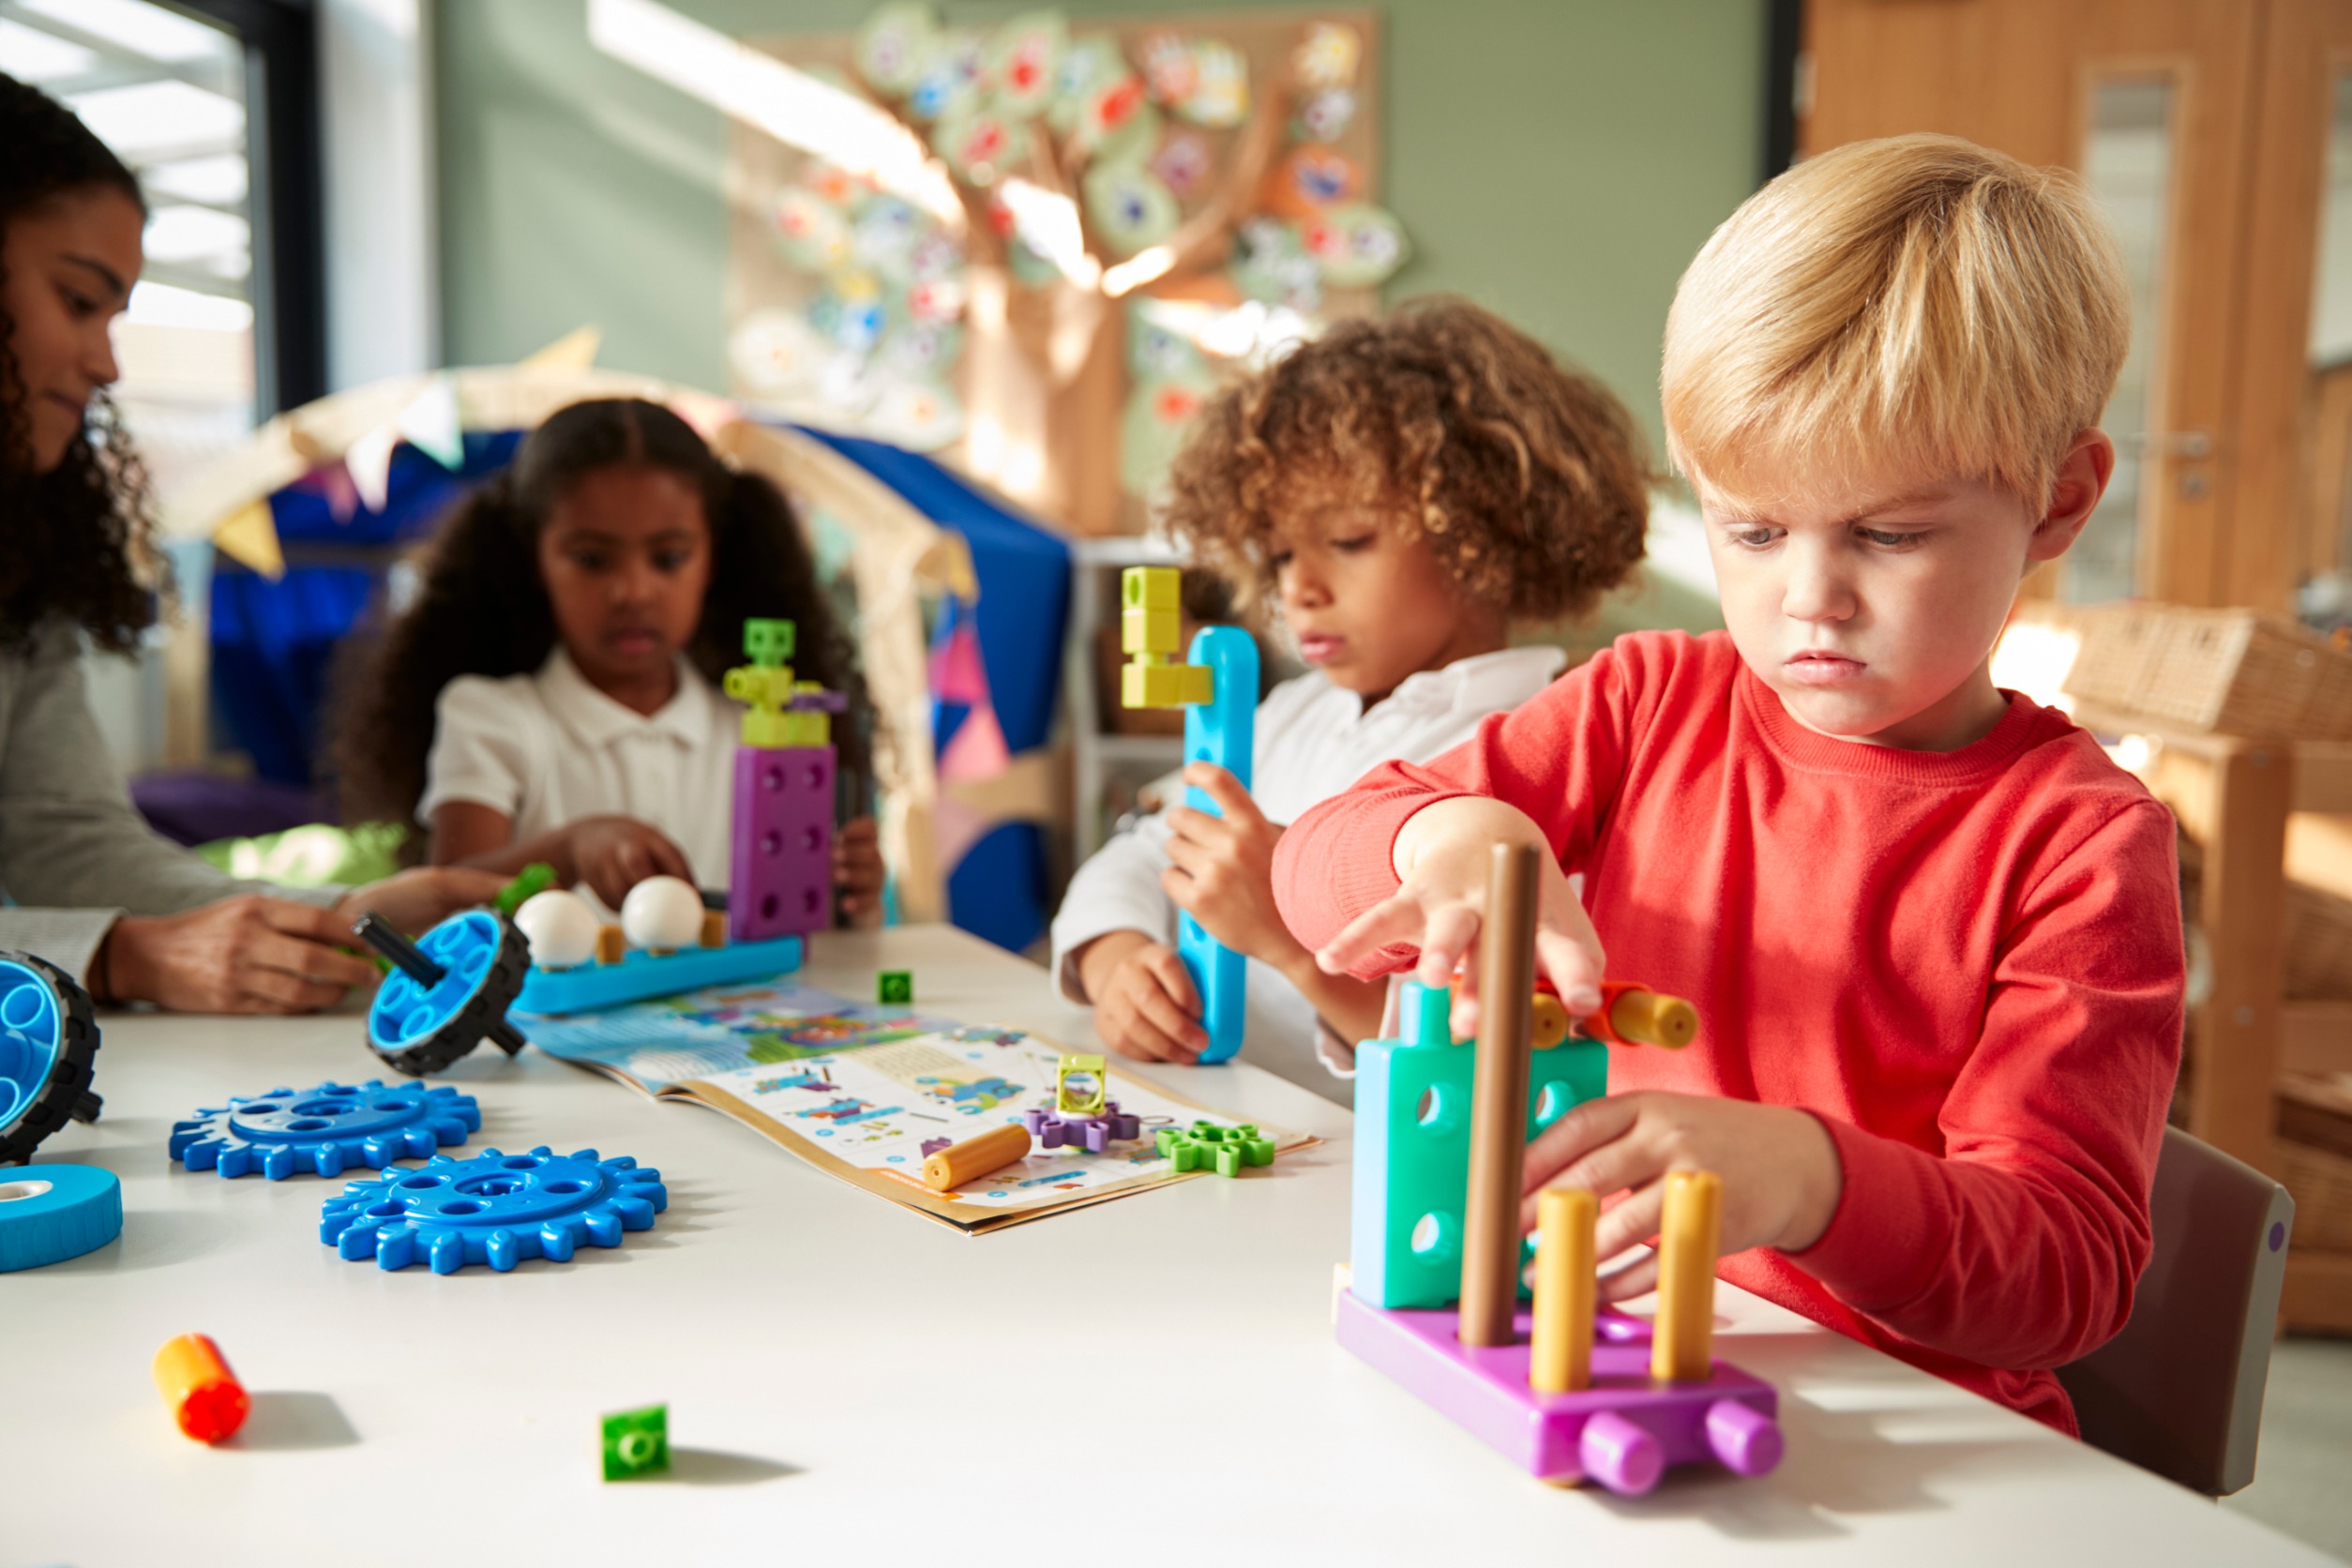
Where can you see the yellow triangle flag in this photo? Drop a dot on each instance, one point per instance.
(251, 535)
(574, 350)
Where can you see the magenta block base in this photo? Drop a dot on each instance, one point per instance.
(1624, 1432)
(781, 873)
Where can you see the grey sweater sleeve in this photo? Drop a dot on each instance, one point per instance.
(71, 845)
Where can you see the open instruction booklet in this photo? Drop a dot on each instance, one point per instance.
(864, 1093)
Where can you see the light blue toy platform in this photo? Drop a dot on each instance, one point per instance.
(641, 976)
(1413, 1147)
(495, 1208)
(50, 1212)
(326, 1130)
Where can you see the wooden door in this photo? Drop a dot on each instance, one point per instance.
(2038, 79)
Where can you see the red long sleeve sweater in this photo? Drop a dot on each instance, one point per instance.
(1967, 964)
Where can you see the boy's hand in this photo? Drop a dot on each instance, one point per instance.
(1442, 857)
(1780, 1171)
(1144, 1003)
(613, 855)
(858, 872)
(1223, 872)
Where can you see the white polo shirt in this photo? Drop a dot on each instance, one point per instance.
(550, 748)
(1311, 740)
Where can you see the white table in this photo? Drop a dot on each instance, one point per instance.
(849, 1382)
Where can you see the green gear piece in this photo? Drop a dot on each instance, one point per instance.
(532, 880)
(1206, 1146)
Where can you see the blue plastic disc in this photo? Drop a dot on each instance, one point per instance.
(50, 1212)
(495, 1208)
(327, 1130)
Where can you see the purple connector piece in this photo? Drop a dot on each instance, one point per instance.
(1051, 1129)
(780, 875)
(1623, 1431)
(933, 1145)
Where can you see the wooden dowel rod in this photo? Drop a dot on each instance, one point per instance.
(959, 1163)
(1506, 987)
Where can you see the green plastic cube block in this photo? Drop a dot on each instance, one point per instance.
(896, 987)
(767, 642)
(637, 1442)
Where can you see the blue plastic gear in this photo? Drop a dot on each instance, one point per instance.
(48, 1040)
(327, 1130)
(467, 971)
(495, 1208)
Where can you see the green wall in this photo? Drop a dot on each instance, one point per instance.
(1558, 160)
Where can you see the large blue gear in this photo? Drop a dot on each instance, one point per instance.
(495, 1208)
(327, 1130)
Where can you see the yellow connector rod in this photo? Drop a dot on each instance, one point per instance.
(1683, 1344)
(1561, 1353)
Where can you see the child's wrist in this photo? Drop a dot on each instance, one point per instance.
(1820, 1178)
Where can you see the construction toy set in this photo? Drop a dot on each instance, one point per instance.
(1433, 1300)
(1218, 691)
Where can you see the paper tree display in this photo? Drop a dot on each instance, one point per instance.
(1124, 208)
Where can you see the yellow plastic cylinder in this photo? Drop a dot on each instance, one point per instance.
(1561, 1352)
(1682, 1347)
(1547, 1021)
(202, 1394)
(1652, 1020)
(959, 1163)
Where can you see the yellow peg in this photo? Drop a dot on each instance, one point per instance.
(1682, 1344)
(1560, 1360)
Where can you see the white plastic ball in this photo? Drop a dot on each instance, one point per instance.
(560, 927)
(662, 912)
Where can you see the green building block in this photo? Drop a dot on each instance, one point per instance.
(637, 1442)
(532, 880)
(767, 642)
(1413, 1148)
(1206, 1146)
(896, 987)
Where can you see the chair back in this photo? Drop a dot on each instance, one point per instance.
(2179, 1391)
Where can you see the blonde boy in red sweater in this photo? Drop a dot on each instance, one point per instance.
(1932, 932)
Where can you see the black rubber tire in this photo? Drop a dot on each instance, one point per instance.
(472, 1023)
(66, 1096)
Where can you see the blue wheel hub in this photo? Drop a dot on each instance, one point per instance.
(48, 1040)
(327, 1130)
(495, 1208)
(421, 1026)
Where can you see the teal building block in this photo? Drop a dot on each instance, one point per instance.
(1413, 1148)
(637, 1442)
(1206, 1146)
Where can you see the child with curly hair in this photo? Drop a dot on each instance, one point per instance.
(1399, 493)
(553, 692)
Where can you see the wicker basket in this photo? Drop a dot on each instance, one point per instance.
(2230, 671)
(2321, 1183)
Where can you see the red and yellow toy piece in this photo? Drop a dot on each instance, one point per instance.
(1629, 1015)
(203, 1395)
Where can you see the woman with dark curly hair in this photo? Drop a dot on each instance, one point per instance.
(553, 692)
(1400, 492)
(95, 890)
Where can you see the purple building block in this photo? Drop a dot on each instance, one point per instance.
(933, 1145)
(1623, 1431)
(1051, 1129)
(780, 875)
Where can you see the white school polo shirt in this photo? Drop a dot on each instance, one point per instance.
(550, 748)
(1312, 740)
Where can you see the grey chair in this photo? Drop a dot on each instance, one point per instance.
(2179, 1391)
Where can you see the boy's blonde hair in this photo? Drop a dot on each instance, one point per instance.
(1919, 303)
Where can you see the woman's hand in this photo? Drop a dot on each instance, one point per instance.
(613, 855)
(1144, 1003)
(1780, 1171)
(1222, 873)
(250, 954)
(858, 872)
(1442, 857)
